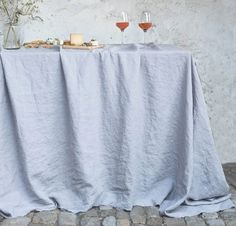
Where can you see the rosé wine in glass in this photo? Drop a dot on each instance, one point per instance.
(145, 23)
(145, 26)
(122, 24)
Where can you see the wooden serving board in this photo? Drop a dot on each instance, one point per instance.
(82, 47)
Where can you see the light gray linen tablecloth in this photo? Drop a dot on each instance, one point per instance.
(121, 126)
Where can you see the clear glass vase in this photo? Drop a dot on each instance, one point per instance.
(12, 36)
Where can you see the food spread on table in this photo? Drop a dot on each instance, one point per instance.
(37, 44)
(76, 42)
(13, 11)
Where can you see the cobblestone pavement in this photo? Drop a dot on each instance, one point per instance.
(139, 216)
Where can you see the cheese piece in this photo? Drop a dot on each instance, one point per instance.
(76, 39)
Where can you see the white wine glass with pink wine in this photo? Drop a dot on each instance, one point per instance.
(122, 24)
(145, 23)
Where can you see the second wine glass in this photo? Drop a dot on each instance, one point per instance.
(123, 23)
(145, 23)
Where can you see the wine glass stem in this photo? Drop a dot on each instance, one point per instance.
(122, 37)
(144, 37)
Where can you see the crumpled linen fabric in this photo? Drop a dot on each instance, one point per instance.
(121, 126)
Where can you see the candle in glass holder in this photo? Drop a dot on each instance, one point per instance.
(76, 39)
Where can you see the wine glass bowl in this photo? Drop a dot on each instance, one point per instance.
(145, 26)
(122, 25)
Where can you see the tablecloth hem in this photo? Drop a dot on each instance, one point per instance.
(188, 210)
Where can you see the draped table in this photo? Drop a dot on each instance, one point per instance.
(122, 126)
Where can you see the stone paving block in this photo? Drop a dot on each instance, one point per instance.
(174, 221)
(19, 221)
(67, 219)
(230, 222)
(90, 213)
(45, 217)
(215, 222)
(90, 221)
(228, 214)
(123, 222)
(152, 211)
(194, 221)
(109, 221)
(153, 216)
(209, 215)
(121, 214)
(106, 211)
(154, 221)
(138, 215)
